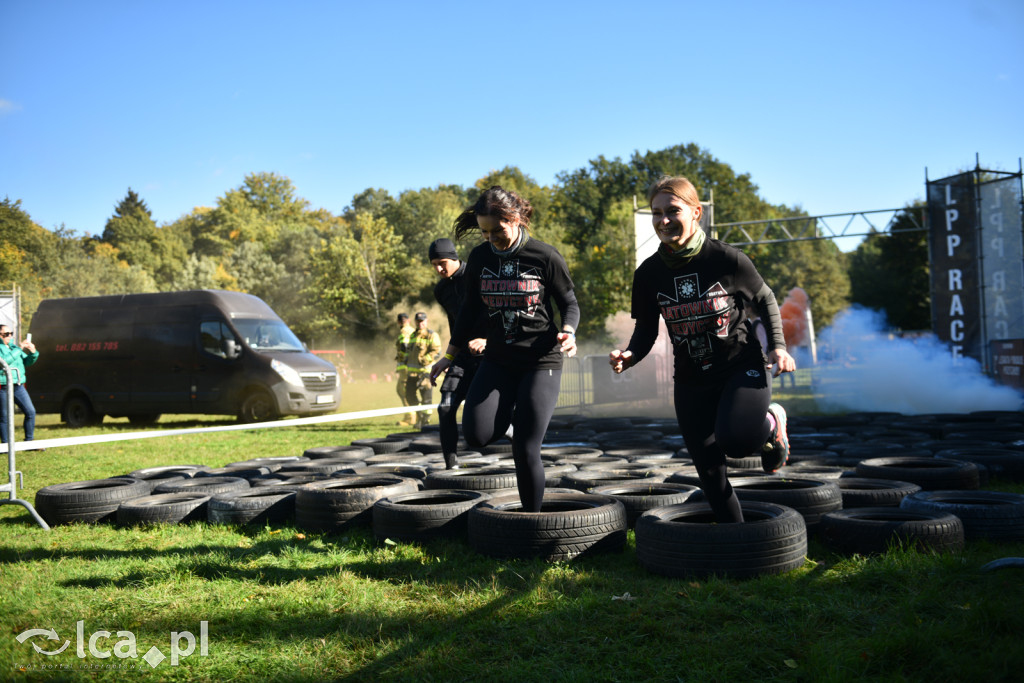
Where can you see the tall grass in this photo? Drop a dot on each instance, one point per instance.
(285, 604)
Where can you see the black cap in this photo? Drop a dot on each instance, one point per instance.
(421, 316)
(442, 248)
(403, 316)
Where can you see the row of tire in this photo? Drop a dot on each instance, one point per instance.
(669, 525)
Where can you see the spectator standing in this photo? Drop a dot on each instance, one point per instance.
(18, 357)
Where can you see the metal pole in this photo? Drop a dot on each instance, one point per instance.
(12, 469)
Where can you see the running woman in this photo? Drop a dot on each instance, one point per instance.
(513, 279)
(450, 292)
(705, 290)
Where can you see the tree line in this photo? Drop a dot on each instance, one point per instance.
(335, 278)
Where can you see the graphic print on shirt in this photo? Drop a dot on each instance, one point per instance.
(511, 293)
(693, 317)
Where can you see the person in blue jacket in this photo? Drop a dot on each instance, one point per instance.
(18, 357)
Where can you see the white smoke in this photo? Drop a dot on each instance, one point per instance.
(863, 367)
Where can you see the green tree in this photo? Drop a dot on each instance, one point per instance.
(359, 276)
(593, 204)
(139, 242)
(84, 266)
(891, 272)
(26, 254)
(817, 266)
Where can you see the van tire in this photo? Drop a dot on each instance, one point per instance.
(77, 412)
(257, 406)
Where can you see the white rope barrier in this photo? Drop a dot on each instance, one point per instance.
(276, 424)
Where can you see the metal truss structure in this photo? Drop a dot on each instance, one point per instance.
(826, 227)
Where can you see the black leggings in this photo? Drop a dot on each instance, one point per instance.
(526, 399)
(726, 418)
(453, 393)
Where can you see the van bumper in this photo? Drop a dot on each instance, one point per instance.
(294, 401)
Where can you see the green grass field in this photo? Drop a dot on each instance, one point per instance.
(286, 604)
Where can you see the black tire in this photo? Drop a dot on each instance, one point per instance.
(266, 505)
(341, 452)
(408, 471)
(384, 444)
(247, 473)
(167, 472)
(94, 500)
(748, 463)
(322, 466)
(864, 492)
(257, 406)
(144, 419)
(637, 498)
(810, 497)
(165, 508)
(568, 525)
(686, 541)
(814, 472)
(424, 515)
(584, 480)
(205, 485)
(273, 462)
(332, 504)
(992, 515)
(930, 473)
(999, 462)
(488, 479)
(274, 480)
(77, 412)
(873, 530)
(633, 454)
(568, 452)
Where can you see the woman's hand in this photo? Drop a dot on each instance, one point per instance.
(620, 360)
(781, 361)
(439, 367)
(567, 343)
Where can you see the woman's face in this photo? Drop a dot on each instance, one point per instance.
(501, 234)
(674, 220)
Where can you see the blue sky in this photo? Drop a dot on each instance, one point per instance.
(833, 107)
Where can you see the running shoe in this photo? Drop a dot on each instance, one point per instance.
(775, 452)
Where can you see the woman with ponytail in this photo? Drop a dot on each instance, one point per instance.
(705, 290)
(512, 279)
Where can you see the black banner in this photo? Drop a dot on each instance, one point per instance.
(956, 286)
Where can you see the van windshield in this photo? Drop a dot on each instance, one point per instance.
(267, 335)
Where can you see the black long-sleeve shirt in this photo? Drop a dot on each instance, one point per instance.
(706, 306)
(515, 291)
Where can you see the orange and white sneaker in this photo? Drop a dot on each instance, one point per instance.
(775, 452)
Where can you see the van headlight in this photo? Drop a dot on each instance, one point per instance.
(287, 372)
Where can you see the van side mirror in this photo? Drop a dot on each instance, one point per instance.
(231, 349)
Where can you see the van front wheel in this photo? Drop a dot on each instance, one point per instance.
(257, 406)
(78, 413)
